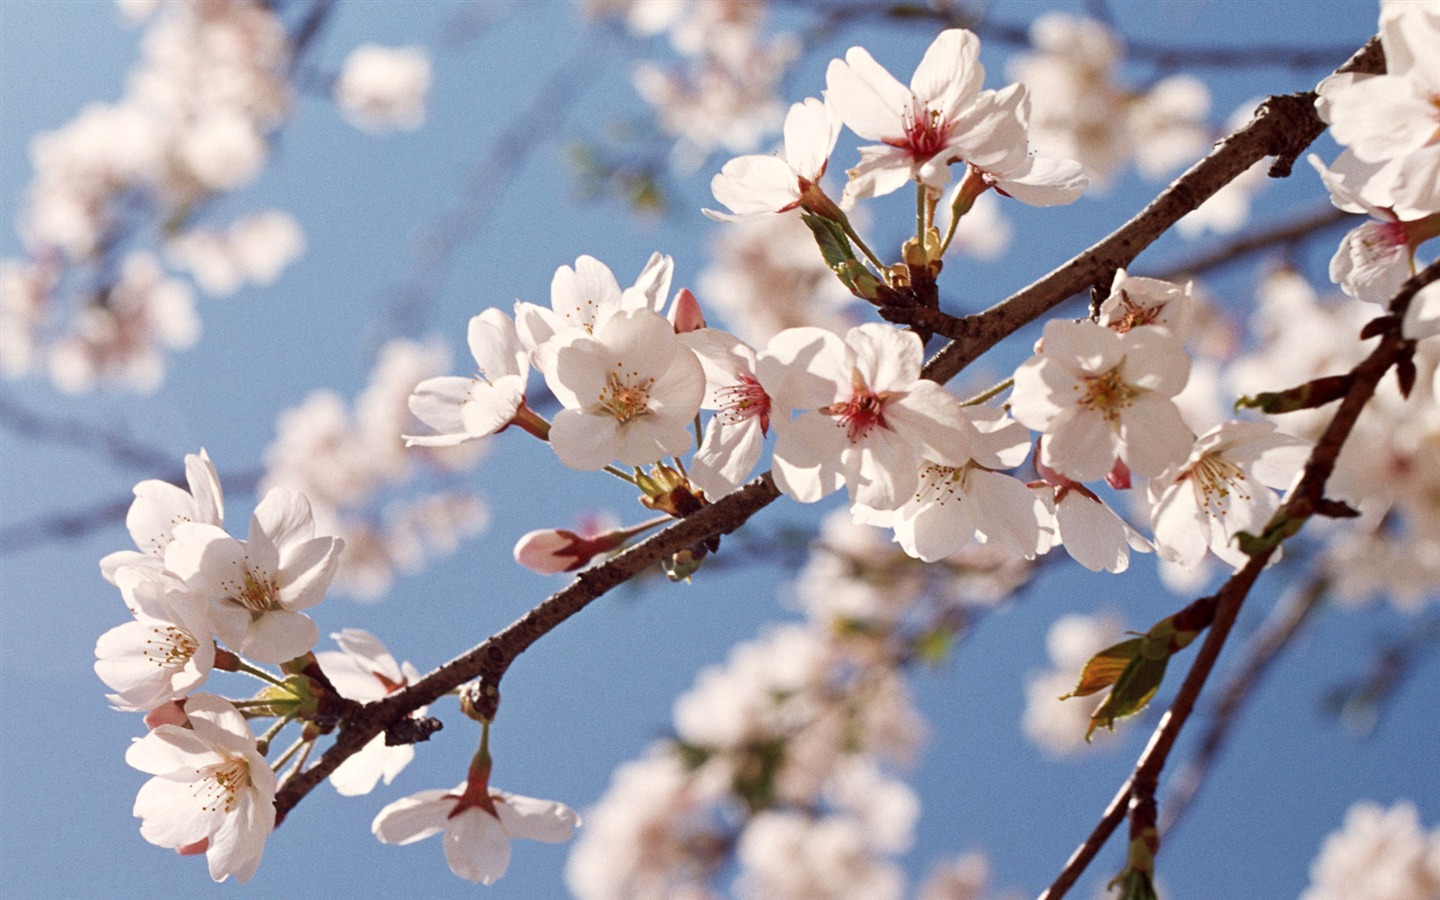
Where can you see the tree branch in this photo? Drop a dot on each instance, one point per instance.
(1283, 235)
(1285, 117)
(1304, 501)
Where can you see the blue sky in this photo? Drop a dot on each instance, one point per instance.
(597, 690)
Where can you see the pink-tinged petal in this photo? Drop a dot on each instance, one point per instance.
(306, 571)
(807, 459)
(360, 772)
(1081, 445)
(158, 507)
(437, 402)
(882, 170)
(1092, 534)
(1181, 530)
(651, 286)
(811, 128)
(726, 456)
(476, 846)
(236, 847)
(1155, 359)
(167, 749)
(536, 820)
(643, 341)
(883, 470)
(168, 814)
(934, 421)
(352, 678)
(1006, 511)
(950, 71)
(867, 97)
(204, 484)
(679, 391)
(278, 636)
(1415, 190)
(286, 519)
(755, 185)
(204, 556)
(1043, 181)
(723, 357)
(1153, 435)
(805, 368)
(415, 817)
(368, 650)
(583, 441)
(887, 358)
(990, 133)
(495, 345)
(577, 294)
(1083, 347)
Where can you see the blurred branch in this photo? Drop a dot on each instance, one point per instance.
(1361, 702)
(1306, 500)
(835, 16)
(1285, 235)
(1283, 127)
(491, 179)
(24, 535)
(1283, 624)
(111, 445)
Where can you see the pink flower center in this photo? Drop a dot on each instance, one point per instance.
(925, 134)
(626, 397)
(862, 412)
(1106, 394)
(745, 400)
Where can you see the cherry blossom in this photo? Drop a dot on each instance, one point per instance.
(1384, 854)
(163, 655)
(758, 185)
(1091, 532)
(869, 418)
(257, 587)
(210, 788)
(630, 390)
(1221, 490)
(159, 506)
(1097, 395)
(734, 435)
(477, 831)
(364, 671)
(467, 409)
(941, 118)
(384, 88)
(1136, 301)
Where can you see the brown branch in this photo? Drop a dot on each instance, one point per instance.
(1304, 501)
(1283, 624)
(492, 657)
(1283, 126)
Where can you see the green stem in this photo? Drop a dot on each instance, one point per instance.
(995, 391)
(242, 666)
(620, 475)
(920, 212)
(290, 751)
(854, 236)
(262, 743)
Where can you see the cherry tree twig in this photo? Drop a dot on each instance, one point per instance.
(1285, 126)
(1306, 500)
(1284, 235)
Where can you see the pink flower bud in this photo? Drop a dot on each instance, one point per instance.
(169, 713)
(553, 550)
(685, 313)
(194, 849)
(1119, 476)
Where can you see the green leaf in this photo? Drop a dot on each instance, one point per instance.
(1131, 693)
(1105, 668)
(830, 237)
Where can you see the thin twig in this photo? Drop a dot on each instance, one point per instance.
(1287, 234)
(1304, 501)
(112, 445)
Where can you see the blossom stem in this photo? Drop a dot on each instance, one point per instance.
(991, 393)
(290, 751)
(920, 211)
(531, 422)
(262, 743)
(854, 236)
(302, 760)
(242, 666)
(973, 186)
(619, 474)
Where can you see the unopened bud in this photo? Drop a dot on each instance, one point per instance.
(550, 551)
(1119, 476)
(480, 700)
(685, 313)
(171, 712)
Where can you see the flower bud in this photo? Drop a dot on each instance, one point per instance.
(550, 551)
(685, 313)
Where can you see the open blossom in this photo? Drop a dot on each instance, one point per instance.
(1092, 533)
(630, 390)
(159, 506)
(1380, 854)
(734, 435)
(477, 833)
(1099, 395)
(869, 419)
(1389, 119)
(467, 409)
(211, 788)
(1221, 490)
(1136, 301)
(364, 671)
(257, 587)
(758, 185)
(164, 654)
(383, 88)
